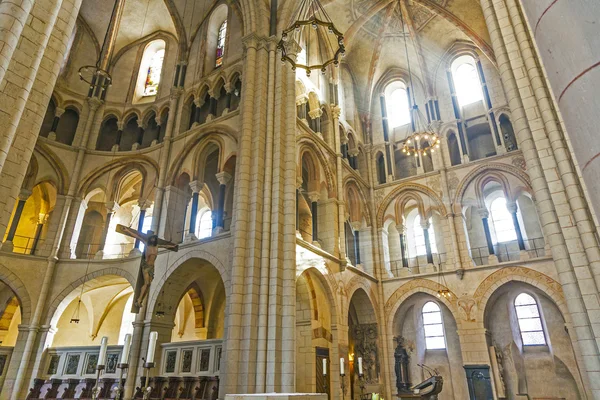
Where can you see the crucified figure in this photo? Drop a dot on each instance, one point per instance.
(146, 274)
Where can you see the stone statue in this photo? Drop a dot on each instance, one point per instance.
(146, 273)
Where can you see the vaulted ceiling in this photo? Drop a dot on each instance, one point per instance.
(373, 30)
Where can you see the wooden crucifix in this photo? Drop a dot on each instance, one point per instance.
(146, 273)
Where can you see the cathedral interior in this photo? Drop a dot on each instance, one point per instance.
(352, 199)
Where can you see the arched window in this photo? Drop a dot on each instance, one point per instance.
(153, 75)
(205, 224)
(397, 104)
(150, 71)
(419, 237)
(221, 44)
(530, 323)
(433, 327)
(502, 221)
(466, 80)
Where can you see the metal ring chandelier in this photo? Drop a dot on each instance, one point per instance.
(313, 33)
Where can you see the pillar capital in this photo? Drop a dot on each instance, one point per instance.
(356, 225)
(314, 196)
(511, 206)
(425, 223)
(223, 177)
(120, 125)
(141, 124)
(353, 152)
(336, 111)
(175, 94)
(197, 186)
(314, 114)
(401, 228)
(144, 204)
(302, 99)
(112, 206)
(59, 112)
(24, 194)
(483, 212)
(94, 103)
(199, 102)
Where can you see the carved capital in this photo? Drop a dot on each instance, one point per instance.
(483, 212)
(112, 206)
(24, 194)
(59, 112)
(314, 197)
(144, 204)
(223, 177)
(511, 206)
(336, 111)
(196, 186)
(315, 114)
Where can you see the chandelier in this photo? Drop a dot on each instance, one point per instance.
(97, 76)
(311, 42)
(423, 139)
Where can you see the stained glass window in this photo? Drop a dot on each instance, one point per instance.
(530, 323)
(221, 44)
(433, 327)
(154, 72)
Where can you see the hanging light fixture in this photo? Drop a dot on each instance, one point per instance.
(423, 139)
(97, 76)
(313, 36)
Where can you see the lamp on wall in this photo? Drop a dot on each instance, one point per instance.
(313, 35)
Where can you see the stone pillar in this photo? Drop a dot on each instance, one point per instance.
(223, 178)
(199, 103)
(15, 15)
(43, 218)
(484, 214)
(111, 208)
(229, 90)
(315, 115)
(402, 232)
(335, 113)
(144, 206)
(314, 207)
(353, 158)
(301, 107)
(7, 246)
(57, 114)
(140, 135)
(117, 145)
(425, 227)
(72, 228)
(196, 187)
(345, 147)
(356, 229)
(571, 59)
(512, 209)
(212, 110)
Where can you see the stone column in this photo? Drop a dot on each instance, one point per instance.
(117, 145)
(212, 113)
(335, 113)
(8, 246)
(140, 135)
(314, 207)
(512, 209)
(223, 178)
(356, 229)
(484, 214)
(425, 227)
(353, 158)
(43, 218)
(315, 115)
(301, 106)
(72, 228)
(571, 59)
(196, 187)
(199, 103)
(144, 206)
(15, 15)
(111, 208)
(57, 114)
(402, 232)
(164, 159)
